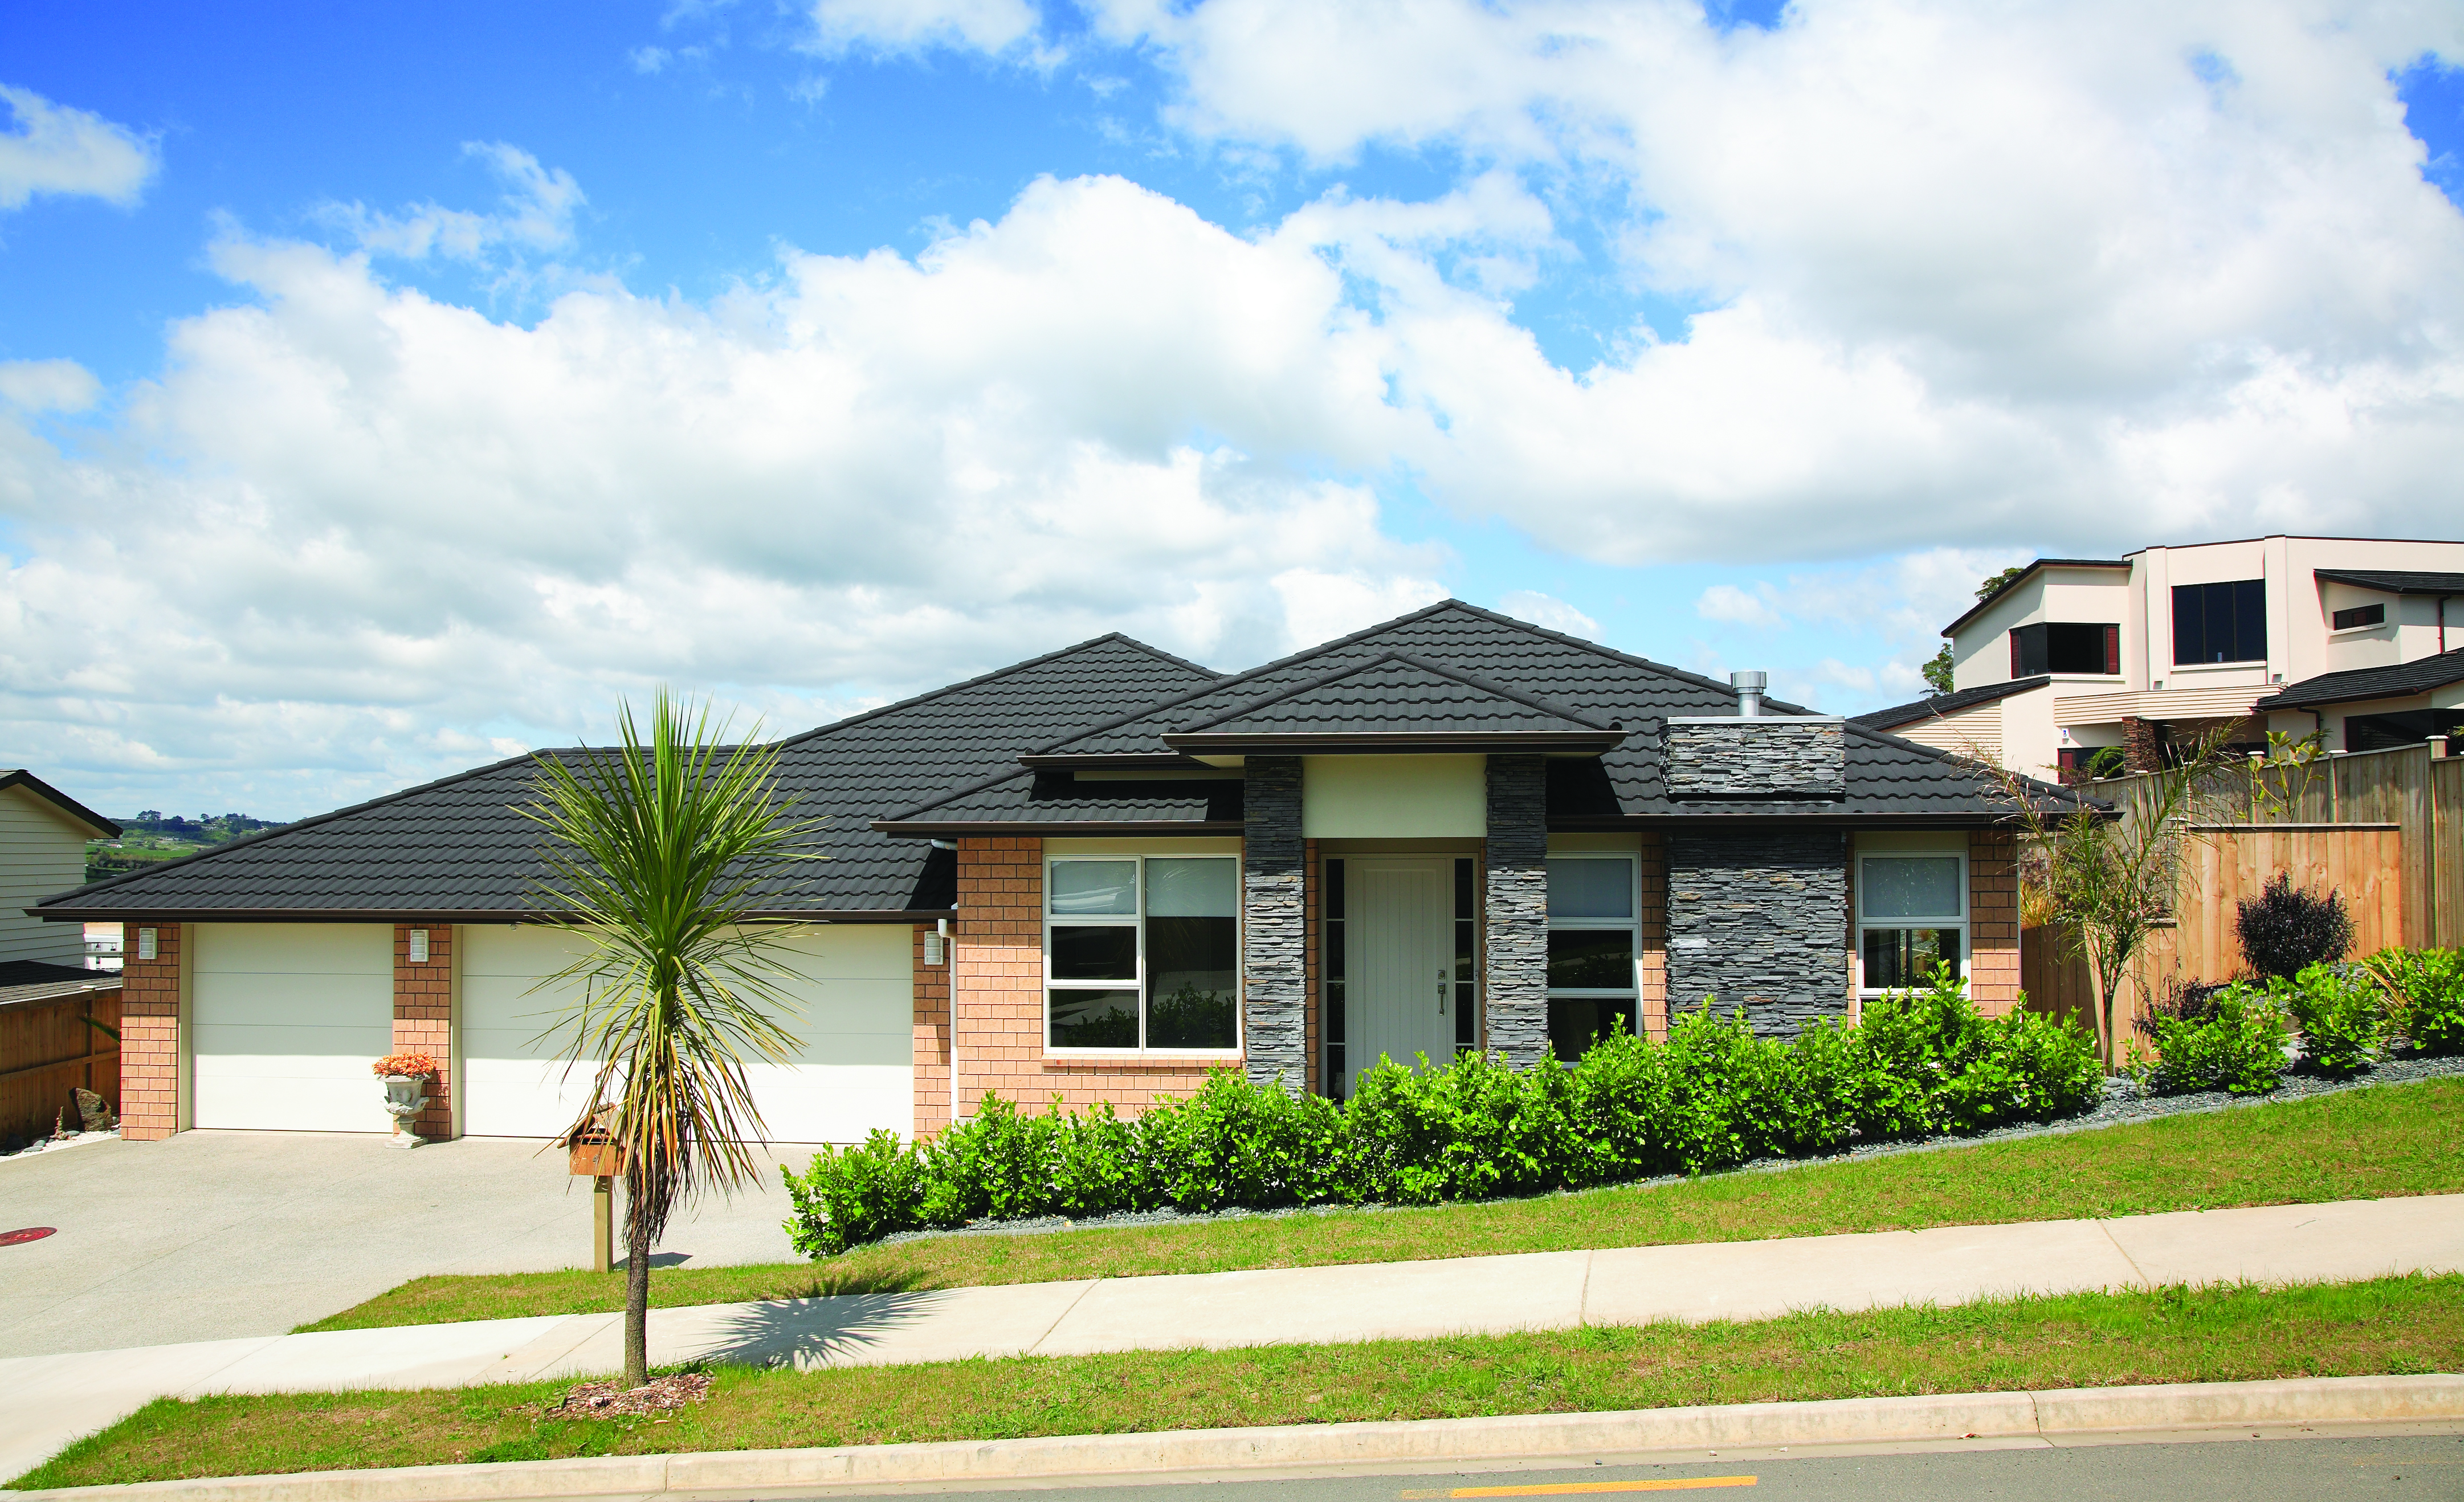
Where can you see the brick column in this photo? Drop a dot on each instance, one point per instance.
(932, 1046)
(1994, 920)
(1274, 925)
(1516, 909)
(423, 1018)
(2143, 745)
(149, 1034)
(997, 971)
(1652, 1014)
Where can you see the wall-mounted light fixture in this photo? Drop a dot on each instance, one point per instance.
(146, 943)
(419, 947)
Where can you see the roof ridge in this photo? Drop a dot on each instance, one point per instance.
(260, 836)
(1455, 674)
(980, 678)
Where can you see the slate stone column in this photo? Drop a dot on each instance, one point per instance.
(1274, 927)
(1516, 911)
(1758, 918)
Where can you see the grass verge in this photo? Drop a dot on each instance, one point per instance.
(2395, 1140)
(2390, 1325)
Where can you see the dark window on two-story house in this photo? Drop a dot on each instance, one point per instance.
(2361, 615)
(2221, 622)
(2064, 647)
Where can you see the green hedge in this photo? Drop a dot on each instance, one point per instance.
(2347, 1017)
(1713, 1096)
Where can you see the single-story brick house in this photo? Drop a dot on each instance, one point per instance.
(1102, 873)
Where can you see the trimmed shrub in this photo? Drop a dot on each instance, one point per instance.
(2232, 1039)
(2425, 992)
(2284, 928)
(2341, 1012)
(1712, 1097)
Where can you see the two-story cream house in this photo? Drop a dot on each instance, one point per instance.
(2347, 636)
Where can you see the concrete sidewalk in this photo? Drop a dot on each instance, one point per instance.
(58, 1398)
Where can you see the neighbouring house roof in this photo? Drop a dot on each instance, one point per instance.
(23, 980)
(1938, 705)
(76, 812)
(1887, 779)
(2394, 580)
(454, 848)
(1395, 702)
(2028, 573)
(2356, 684)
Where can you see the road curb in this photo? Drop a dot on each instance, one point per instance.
(1853, 1421)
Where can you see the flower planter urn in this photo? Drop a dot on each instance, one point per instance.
(405, 1096)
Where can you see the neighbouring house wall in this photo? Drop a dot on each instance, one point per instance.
(1274, 925)
(1974, 730)
(1756, 917)
(1994, 920)
(150, 1035)
(997, 984)
(423, 1019)
(1516, 909)
(40, 853)
(931, 1040)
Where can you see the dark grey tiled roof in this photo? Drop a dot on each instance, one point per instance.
(1103, 806)
(1910, 713)
(455, 847)
(2395, 581)
(2356, 684)
(1394, 694)
(1887, 778)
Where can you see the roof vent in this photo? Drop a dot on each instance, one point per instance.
(1749, 688)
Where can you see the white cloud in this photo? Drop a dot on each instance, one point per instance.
(649, 59)
(536, 215)
(48, 385)
(910, 26)
(1542, 609)
(354, 533)
(1740, 607)
(54, 148)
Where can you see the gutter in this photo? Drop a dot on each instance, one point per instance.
(433, 916)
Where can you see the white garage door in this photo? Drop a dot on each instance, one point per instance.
(853, 1068)
(285, 1021)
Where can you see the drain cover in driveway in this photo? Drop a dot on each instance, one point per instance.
(29, 1234)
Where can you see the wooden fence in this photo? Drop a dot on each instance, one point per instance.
(2422, 796)
(2225, 864)
(47, 1049)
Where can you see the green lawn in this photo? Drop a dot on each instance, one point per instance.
(2391, 1325)
(2364, 1144)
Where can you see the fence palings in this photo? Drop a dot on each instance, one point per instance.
(47, 1050)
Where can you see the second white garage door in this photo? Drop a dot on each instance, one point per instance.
(853, 1068)
(286, 1020)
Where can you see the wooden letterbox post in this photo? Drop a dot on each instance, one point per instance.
(591, 1156)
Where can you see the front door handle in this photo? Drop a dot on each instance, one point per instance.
(1441, 993)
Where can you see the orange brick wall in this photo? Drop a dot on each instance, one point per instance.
(150, 1035)
(1654, 876)
(423, 1018)
(996, 983)
(931, 1040)
(1994, 920)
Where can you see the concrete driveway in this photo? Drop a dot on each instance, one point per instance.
(218, 1235)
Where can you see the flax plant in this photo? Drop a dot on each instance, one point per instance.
(662, 853)
(2110, 882)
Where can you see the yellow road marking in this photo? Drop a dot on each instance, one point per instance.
(1568, 1489)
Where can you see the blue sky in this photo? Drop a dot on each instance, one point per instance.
(383, 393)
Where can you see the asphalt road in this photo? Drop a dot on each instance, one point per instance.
(2416, 1467)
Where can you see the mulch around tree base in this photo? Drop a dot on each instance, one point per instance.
(608, 1400)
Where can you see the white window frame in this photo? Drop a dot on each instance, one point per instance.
(1631, 924)
(1138, 921)
(1869, 847)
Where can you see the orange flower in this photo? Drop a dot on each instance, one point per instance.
(406, 1064)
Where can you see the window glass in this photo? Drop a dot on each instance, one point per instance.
(1591, 889)
(1576, 1022)
(1591, 958)
(2223, 621)
(1094, 1019)
(1109, 953)
(2361, 615)
(1898, 959)
(1193, 981)
(1093, 888)
(1205, 888)
(1911, 886)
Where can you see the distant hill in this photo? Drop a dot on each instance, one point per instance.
(153, 836)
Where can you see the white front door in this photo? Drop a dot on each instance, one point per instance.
(1400, 955)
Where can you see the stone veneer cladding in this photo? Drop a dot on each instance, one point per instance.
(1516, 909)
(1759, 918)
(1274, 923)
(1770, 756)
